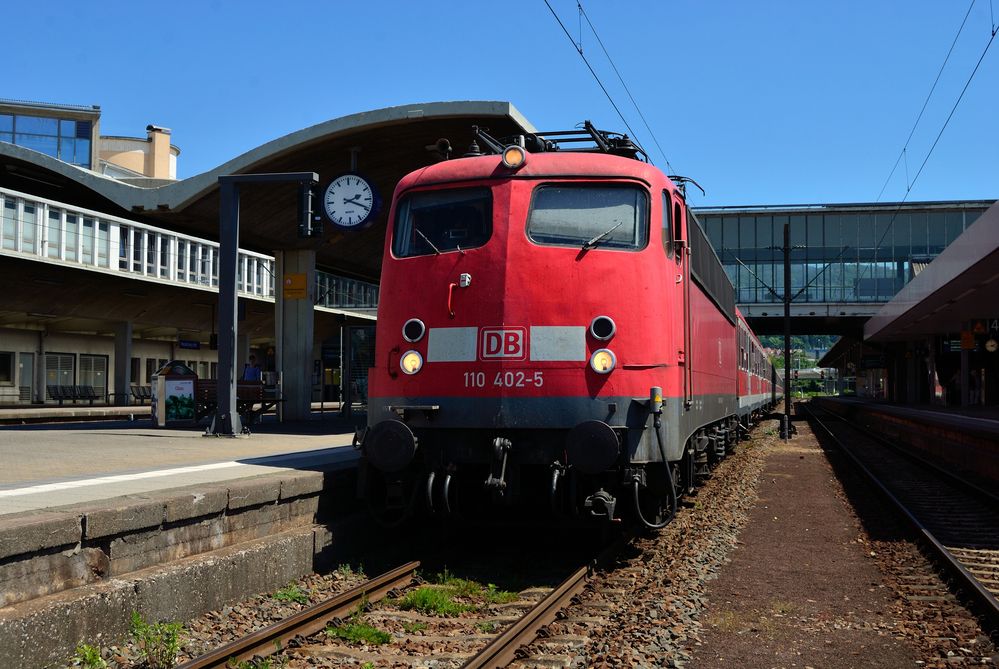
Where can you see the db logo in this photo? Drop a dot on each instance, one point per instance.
(502, 343)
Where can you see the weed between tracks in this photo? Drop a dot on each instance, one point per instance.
(359, 632)
(158, 643)
(88, 657)
(442, 598)
(292, 593)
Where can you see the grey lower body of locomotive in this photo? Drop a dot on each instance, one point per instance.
(631, 417)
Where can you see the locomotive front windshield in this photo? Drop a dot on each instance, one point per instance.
(589, 216)
(432, 222)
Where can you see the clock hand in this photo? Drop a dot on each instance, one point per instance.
(355, 202)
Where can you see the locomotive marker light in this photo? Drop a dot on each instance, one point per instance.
(603, 361)
(514, 157)
(413, 330)
(411, 362)
(603, 328)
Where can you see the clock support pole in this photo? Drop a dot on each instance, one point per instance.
(227, 422)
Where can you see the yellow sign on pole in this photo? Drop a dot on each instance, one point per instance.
(295, 287)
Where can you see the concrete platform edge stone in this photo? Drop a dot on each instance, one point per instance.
(45, 632)
(43, 553)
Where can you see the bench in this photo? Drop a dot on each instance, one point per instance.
(252, 400)
(142, 393)
(74, 393)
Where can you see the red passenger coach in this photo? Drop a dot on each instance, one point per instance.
(554, 332)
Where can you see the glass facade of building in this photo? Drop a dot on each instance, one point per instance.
(49, 130)
(840, 253)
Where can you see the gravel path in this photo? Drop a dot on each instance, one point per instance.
(800, 589)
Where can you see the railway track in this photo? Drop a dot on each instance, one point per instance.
(958, 522)
(314, 619)
(491, 637)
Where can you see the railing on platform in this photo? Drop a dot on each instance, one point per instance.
(59, 233)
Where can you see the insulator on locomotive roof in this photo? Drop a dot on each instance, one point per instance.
(473, 150)
(622, 146)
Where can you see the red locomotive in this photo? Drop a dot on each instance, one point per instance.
(553, 326)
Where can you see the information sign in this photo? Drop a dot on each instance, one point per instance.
(295, 287)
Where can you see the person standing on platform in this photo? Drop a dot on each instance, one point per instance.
(251, 372)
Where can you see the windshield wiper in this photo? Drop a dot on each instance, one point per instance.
(437, 251)
(590, 243)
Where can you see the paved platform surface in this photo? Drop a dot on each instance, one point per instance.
(57, 464)
(800, 591)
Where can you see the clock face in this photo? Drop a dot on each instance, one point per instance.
(992, 346)
(349, 201)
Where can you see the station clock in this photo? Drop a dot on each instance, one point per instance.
(350, 201)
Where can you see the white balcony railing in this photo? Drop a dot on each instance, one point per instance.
(55, 232)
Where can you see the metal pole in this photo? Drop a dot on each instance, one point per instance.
(226, 422)
(786, 430)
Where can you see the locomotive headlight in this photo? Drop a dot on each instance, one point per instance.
(411, 362)
(514, 157)
(603, 361)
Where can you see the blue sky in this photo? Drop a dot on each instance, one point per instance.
(761, 103)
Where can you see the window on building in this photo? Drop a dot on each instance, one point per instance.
(133, 370)
(72, 236)
(54, 233)
(164, 265)
(29, 228)
(7, 128)
(94, 372)
(103, 244)
(66, 139)
(6, 368)
(60, 369)
(87, 241)
(9, 224)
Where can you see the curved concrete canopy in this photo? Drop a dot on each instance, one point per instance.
(175, 195)
(391, 142)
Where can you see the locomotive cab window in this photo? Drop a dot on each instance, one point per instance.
(432, 222)
(589, 216)
(677, 223)
(667, 226)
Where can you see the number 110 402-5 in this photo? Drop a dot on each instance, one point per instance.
(505, 379)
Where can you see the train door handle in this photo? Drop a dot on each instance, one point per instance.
(450, 297)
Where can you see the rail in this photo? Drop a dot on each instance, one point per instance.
(503, 649)
(274, 637)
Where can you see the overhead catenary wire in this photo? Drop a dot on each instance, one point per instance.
(902, 154)
(582, 13)
(579, 49)
(993, 30)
